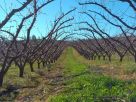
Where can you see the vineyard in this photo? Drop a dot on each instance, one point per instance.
(84, 51)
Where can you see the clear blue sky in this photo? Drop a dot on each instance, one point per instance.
(51, 11)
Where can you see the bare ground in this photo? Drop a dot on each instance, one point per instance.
(52, 83)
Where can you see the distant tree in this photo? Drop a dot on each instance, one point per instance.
(34, 37)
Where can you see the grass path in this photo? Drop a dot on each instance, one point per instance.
(86, 83)
(74, 79)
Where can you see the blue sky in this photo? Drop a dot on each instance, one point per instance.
(53, 10)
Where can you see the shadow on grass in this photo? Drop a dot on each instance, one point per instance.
(9, 94)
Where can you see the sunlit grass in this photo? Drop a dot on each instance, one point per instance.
(128, 64)
(90, 87)
(72, 65)
(29, 79)
(81, 85)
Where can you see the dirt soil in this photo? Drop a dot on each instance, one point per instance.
(52, 83)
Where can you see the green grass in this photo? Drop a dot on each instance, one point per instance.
(81, 85)
(90, 87)
(29, 79)
(128, 64)
(72, 65)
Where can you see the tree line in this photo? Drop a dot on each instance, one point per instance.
(99, 43)
(18, 50)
